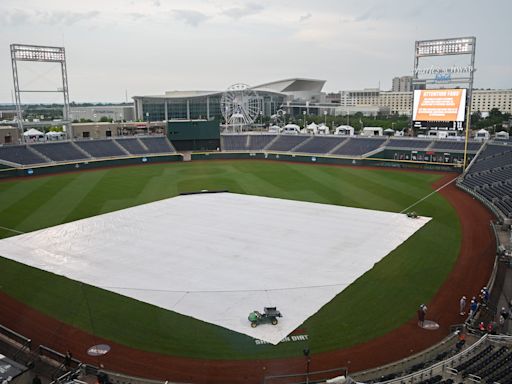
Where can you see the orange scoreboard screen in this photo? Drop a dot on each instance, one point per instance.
(439, 105)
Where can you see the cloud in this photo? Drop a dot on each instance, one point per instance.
(67, 18)
(17, 17)
(14, 17)
(305, 17)
(189, 16)
(243, 11)
(136, 16)
(364, 16)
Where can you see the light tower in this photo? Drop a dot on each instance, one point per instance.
(41, 54)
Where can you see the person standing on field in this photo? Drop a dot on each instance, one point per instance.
(462, 306)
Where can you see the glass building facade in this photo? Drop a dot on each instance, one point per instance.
(196, 107)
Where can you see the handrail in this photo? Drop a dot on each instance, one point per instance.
(11, 332)
(438, 365)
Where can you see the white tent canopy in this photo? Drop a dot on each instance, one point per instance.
(291, 128)
(52, 133)
(33, 132)
(482, 134)
(502, 135)
(323, 129)
(344, 130)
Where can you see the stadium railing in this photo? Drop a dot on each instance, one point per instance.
(22, 343)
(440, 367)
(307, 377)
(119, 378)
(403, 365)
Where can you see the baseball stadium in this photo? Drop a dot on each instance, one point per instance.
(205, 255)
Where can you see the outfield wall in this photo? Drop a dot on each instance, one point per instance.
(52, 168)
(73, 166)
(303, 158)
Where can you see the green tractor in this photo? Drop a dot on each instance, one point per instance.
(269, 315)
(412, 215)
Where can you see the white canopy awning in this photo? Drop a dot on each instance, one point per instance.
(33, 132)
(52, 133)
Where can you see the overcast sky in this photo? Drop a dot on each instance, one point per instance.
(150, 46)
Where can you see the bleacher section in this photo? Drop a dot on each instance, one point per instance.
(65, 151)
(158, 144)
(258, 142)
(490, 176)
(487, 361)
(359, 146)
(20, 154)
(447, 145)
(133, 145)
(319, 144)
(409, 143)
(285, 143)
(234, 142)
(100, 148)
(327, 144)
(493, 156)
(492, 364)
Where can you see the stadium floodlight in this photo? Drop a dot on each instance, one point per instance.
(41, 54)
(443, 47)
(446, 78)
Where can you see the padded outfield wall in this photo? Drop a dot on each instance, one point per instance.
(303, 158)
(52, 168)
(74, 166)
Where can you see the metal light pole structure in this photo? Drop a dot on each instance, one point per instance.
(40, 54)
(454, 76)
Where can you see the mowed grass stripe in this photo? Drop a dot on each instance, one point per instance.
(57, 207)
(19, 211)
(379, 301)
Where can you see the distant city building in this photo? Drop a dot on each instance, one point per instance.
(9, 135)
(206, 104)
(484, 100)
(401, 102)
(402, 84)
(95, 113)
(299, 96)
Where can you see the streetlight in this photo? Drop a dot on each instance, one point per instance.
(147, 118)
(261, 118)
(325, 117)
(304, 114)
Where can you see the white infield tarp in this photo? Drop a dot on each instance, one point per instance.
(217, 257)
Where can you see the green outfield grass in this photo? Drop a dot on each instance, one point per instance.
(379, 301)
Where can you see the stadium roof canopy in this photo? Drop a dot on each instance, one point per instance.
(281, 87)
(293, 85)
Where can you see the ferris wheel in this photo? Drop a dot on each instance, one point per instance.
(240, 105)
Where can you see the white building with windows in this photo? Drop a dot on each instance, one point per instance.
(483, 100)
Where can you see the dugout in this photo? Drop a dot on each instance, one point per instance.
(194, 135)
